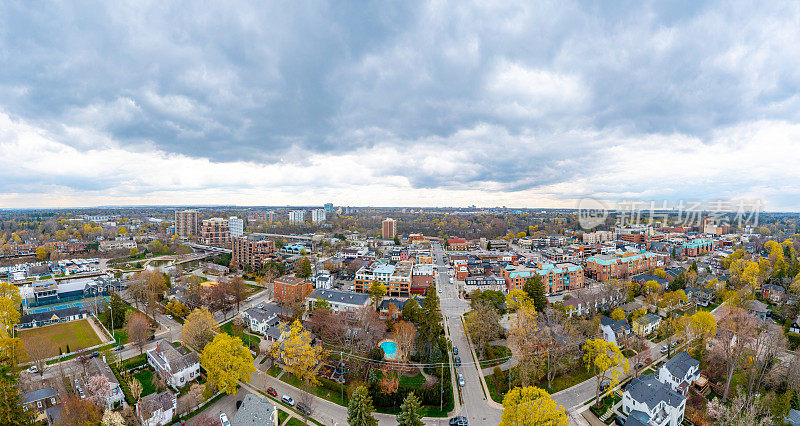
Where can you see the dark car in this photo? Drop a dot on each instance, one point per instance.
(272, 392)
(619, 420)
(303, 408)
(459, 421)
(95, 354)
(238, 404)
(455, 350)
(458, 361)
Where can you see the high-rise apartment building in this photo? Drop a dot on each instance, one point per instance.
(186, 223)
(236, 226)
(328, 207)
(318, 215)
(215, 232)
(297, 216)
(249, 251)
(388, 228)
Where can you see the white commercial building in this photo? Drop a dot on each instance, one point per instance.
(297, 216)
(318, 215)
(236, 226)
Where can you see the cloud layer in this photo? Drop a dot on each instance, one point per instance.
(410, 103)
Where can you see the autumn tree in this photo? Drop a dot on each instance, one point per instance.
(227, 361)
(617, 314)
(405, 334)
(302, 267)
(516, 299)
(359, 410)
(376, 292)
(410, 411)
(483, 325)
(237, 288)
(534, 288)
(529, 337)
(112, 418)
(531, 406)
(298, 354)
(135, 387)
(701, 327)
(199, 328)
(605, 361)
(78, 411)
(138, 330)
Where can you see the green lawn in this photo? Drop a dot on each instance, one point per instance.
(121, 336)
(247, 339)
(76, 334)
(572, 378)
(320, 391)
(495, 352)
(146, 378)
(294, 422)
(274, 371)
(282, 415)
(134, 362)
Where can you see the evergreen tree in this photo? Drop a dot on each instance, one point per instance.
(410, 412)
(694, 266)
(359, 411)
(534, 288)
(489, 245)
(396, 240)
(11, 412)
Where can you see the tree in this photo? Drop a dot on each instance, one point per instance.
(376, 292)
(11, 412)
(483, 325)
(702, 326)
(98, 388)
(534, 287)
(227, 361)
(411, 311)
(529, 337)
(112, 418)
(177, 309)
(138, 330)
(405, 334)
(531, 406)
(199, 328)
(410, 411)
(302, 267)
(733, 333)
(78, 411)
(298, 354)
(617, 314)
(516, 299)
(38, 352)
(359, 410)
(604, 360)
(136, 388)
(237, 288)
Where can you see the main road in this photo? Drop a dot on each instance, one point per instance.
(474, 404)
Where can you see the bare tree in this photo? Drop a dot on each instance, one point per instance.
(766, 345)
(138, 330)
(136, 389)
(38, 352)
(733, 334)
(237, 289)
(483, 325)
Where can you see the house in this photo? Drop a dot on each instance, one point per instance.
(322, 279)
(45, 402)
(613, 331)
(646, 324)
(178, 365)
(795, 326)
(386, 305)
(643, 278)
(157, 409)
(757, 309)
(51, 317)
(793, 418)
(256, 411)
(262, 317)
(98, 366)
(338, 300)
(680, 372)
(703, 296)
(647, 401)
(773, 292)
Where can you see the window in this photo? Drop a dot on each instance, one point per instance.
(39, 404)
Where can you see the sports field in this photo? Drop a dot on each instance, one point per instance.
(76, 334)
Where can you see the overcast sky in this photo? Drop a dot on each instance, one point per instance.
(406, 103)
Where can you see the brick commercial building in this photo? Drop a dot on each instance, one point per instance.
(698, 246)
(186, 223)
(215, 232)
(619, 265)
(292, 290)
(388, 228)
(458, 244)
(247, 251)
(556, 277)
(397, 278)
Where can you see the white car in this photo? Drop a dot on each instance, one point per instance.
(32, 369)
(223, 420)
(461, 380)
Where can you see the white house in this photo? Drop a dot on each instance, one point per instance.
(322, 279)
(157, 409)
(647, 401)
(179, 366)
(613, 331)
(339, 300)
(680, 372)
(262, 317)
(95, 367)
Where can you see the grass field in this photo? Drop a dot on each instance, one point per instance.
(145, 377)
(76, 334)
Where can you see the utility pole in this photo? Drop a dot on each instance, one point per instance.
(441, 385)
(342, 383)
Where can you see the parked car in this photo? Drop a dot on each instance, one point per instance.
(457, 360)
(238, 404)
(169, 316)
(272, 392)
(673, 344)
(95, 354)
(33, 369)
(223, 420)
(619, 420)
(664, 350)
(455, 350)
(119, 348)
(286, 399)
(459, 421)
(461, 381)
(304, 409)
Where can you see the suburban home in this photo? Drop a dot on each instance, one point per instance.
(700, 294)
(51, 317)
(262, 317)
(97, 366)
(178, 365)
(757, 309)
(795, 326)
(647, 401)
(680, 372)
(386, 304)
(45, 402)
(322, 279)
(614, 331)
(157, 409)
(773, 293)
(339, 300)
(256, 411)
(793, 418)
(646, 324)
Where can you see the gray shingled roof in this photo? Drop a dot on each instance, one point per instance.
(648, 390)
(339, 296)
(680, 364)
(269, 310)
(151, 403)
(39, 394)
(254, 411)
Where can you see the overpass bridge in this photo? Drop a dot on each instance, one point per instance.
(204, 247)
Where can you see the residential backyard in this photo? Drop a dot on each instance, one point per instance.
(75, 334)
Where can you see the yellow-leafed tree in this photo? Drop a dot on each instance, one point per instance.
(531, 406)
(297, 353)
(227, 361)
(617, 315)
(516, 299)
(199, 328)
(605, 361)
(702, 325)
